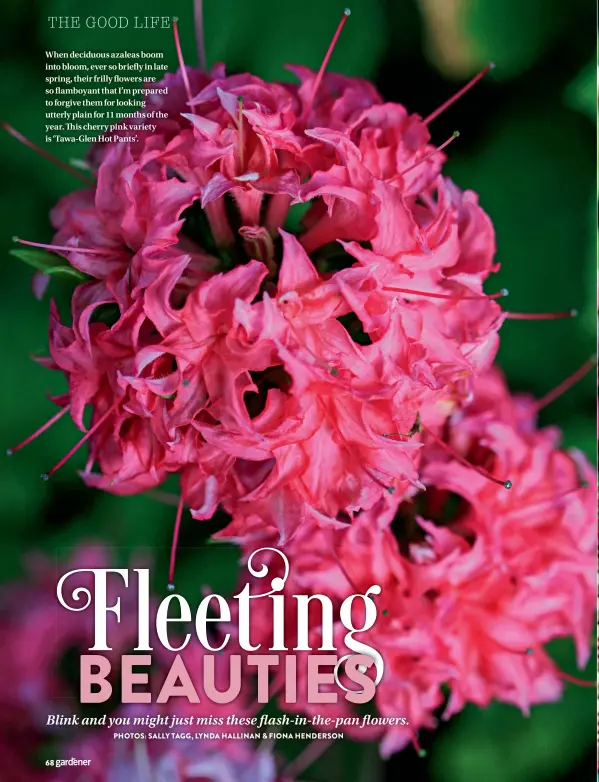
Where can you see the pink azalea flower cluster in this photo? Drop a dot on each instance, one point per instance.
(329, 386)
(475, 579)
(212, 343)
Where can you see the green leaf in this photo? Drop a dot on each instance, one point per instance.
(46, 262)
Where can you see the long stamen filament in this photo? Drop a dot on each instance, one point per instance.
(454, 135)
(182, 66)
(565, 676)
(39, 431)
(575, 680)
(341, 567)
(307, 758)
(65, 167)
(163, 496)
(64, 248)
(84, 439)
(240, 135)
(419, 751)
(503, 292)
(459, 93)
(175, 543)
(566, 384)
(506, 484)
(542, 315)
(325, 62)
(390, 489)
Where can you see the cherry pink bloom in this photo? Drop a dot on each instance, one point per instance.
(126, 225)
(349, 394)
(132, 451)
(332, 396)
(251, 148)
(338, 102)
(448, 313)
(174, 103)
(247, 125)
(476, 578)
(236, 359)
(251, 138)
(395, 147)
(239, 139)
(383, 144)
(93, 356)
(338, 397)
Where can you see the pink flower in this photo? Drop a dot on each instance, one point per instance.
(394, 144)
(338, 101)
(127, 226)
(339, 397)
(331, 391)
(244, 359)
(476, 579)
(173, 103)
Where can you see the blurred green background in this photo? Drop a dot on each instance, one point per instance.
(527, 146)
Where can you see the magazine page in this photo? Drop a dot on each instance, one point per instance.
(299, 311)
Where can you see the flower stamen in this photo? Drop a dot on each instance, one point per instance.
(419, 751)
(566, 677)
(542, 315)
(459, 93)
(38, 432)
(506, 484)
(84, 439)
(65, 166)
(429, 294)
(307, 758)
(454, 135)
(389, 489)
(574, 679)
(323, 67)
(182, 65)
(175, 543)
(240, 138)
(343, 570)
(65, 248)
(567, 384)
